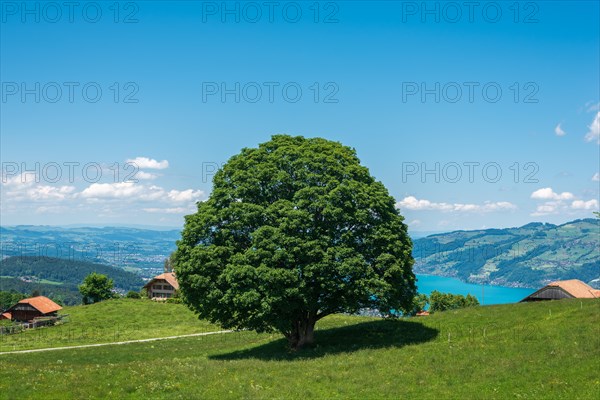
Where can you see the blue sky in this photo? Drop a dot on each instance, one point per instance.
(437, 101)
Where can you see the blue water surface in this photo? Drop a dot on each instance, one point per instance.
(486, 294)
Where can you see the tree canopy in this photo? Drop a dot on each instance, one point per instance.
(439, 301)
(95, 288)
(294, 230)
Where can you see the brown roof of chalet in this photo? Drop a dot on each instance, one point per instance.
(167, 276)
(573, 287)
(41, 303)
(577, 288)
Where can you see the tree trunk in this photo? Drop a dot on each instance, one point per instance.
(302, 333)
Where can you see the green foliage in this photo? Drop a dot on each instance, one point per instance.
(447, 301)
(419, 303)
(174, 300)
(6, 322)
(133, 295)
(58, 300)
(67, 294)
(58, 279)
(168, 264)
(10, 298)
(96, 287)
(294, 230)
(7, 299)
(66, 272)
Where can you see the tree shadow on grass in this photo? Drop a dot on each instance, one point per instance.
(345, 339)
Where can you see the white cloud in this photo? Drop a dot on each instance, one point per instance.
(555, 203)
(22, 179)
(594, 132)
(173, 210)
(596, 177)
(145, 175)
(149, 163)
(559, 131)
(550, 207)
(412, 203)
(185, 195)
(139, 192)
(549, 194)
(49, 192)
(591, 106)
(23, 188)
(499, 205)
(585, 205)
(112, 190)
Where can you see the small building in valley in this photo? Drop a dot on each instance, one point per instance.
(5, 315)
(34, 307)
(163, 286)
(573, 288)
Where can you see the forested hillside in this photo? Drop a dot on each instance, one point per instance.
(58, 278)
(529, 256)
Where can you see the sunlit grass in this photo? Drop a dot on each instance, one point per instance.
(110, 321)
(543, 350)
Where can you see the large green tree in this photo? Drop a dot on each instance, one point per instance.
(294, 230)
(95, 288)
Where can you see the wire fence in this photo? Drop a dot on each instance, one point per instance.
(37, 322)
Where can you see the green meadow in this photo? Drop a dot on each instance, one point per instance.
(110, 321)
(545, 350)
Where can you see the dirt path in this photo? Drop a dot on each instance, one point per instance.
(83, 346)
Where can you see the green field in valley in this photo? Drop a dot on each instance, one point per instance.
(546, 350)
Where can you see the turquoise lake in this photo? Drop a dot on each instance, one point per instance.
(486, 294)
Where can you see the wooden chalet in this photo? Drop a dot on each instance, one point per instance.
(573, 288)
(163, 286)
(34, 307)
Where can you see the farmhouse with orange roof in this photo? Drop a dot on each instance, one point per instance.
(573, 288)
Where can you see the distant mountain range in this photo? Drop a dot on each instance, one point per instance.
(139, 250)
(530, 256)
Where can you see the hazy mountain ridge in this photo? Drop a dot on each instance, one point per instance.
(140, 250)
(529, 256)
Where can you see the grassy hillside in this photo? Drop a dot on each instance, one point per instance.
(110, 321)
(545, 350)
(530, 256)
